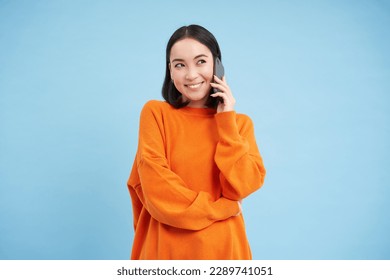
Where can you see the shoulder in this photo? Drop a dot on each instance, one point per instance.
(155, 107)
(154, 113)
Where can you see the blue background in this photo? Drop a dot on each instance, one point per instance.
(313, 75)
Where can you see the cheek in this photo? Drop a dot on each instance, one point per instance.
(208, 73)
(178, 82)
(176, 78)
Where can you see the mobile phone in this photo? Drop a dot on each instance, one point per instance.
(219, 70)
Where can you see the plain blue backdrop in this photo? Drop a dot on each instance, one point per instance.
(313, 75)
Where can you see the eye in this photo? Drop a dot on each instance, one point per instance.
(179, 65)
(201, 61)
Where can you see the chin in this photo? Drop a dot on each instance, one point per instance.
(194, 98)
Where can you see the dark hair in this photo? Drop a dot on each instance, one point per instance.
(203, 36)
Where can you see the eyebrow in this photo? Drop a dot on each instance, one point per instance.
(196, 57)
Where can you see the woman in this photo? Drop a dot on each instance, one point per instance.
(196, 161)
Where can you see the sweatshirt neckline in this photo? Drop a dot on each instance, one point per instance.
(198, 111)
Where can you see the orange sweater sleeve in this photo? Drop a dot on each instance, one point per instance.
(162, 192)
(237, 156)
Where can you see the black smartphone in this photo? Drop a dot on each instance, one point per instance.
(219, 71)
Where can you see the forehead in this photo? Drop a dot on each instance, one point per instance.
(188, 48)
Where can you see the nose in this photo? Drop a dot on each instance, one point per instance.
(191, 73)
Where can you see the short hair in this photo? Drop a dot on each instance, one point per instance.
(203, 36)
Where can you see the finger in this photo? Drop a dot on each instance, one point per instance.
(216, 94)
(219, 86)
(219, 94)
(218, 80)
(222, 95)
(240, 208)
(223, 80)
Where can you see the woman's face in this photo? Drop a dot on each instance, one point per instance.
(191, 66)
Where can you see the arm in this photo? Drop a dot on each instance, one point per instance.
(162, 192)
(237, 157)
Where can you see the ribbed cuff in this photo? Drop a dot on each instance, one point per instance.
(230, 208)
(227, 125)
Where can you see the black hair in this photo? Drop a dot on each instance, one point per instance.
(203, 36)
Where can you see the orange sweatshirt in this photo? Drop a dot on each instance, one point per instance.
(191, 168)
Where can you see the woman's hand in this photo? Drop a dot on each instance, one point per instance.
(225, 93)
(240, 206)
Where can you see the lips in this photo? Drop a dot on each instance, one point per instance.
(194, 86)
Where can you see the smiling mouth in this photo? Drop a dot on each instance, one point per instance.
(193, 86)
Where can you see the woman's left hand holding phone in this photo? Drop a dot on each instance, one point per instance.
(225, 93)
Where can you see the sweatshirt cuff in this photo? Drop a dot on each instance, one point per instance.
(227, 125)
(230, 208)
